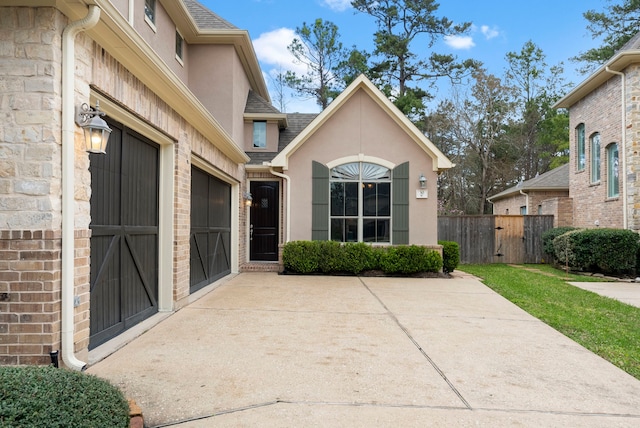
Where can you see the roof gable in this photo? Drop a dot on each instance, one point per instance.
(440, 161)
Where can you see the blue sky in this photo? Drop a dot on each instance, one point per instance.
(499, 26)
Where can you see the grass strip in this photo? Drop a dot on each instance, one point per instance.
(603, 325)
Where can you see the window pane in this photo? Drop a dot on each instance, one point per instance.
(150, 10)
(337, 229)
(375, 230)
(351, 229)
(259, 134)
(581, 151)
(348, 171)
(384, 199)
(351, 199)
(612, 171)
(382, 230)
(369, 199)
(595, 158)
(372, 171)
(178, 45)
(337, 199)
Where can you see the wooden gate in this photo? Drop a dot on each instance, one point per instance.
(496, 239)
(124, 234)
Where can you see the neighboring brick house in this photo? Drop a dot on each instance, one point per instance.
(604, 118)
(546, 194)
(92, 245)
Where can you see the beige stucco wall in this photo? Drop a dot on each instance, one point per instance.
(600, 112)
(362, 128)
(217, 78)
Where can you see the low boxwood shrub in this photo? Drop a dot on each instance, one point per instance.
(410, 259)
(598, 250)
(301, 256)
(450, 255)
(36, 396)
(306, 257)
(550, 235)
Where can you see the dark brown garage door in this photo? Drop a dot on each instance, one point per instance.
(210, 229)
(124, 240)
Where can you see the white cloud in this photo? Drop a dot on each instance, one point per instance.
(459, 42)
(489, 33)
(337, 5)
(271, 50)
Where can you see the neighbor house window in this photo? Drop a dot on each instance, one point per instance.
(179, 45)
(580, 160)
(150, 10)
(595, 158)
(613, 183)
(523, 210)
(259, 134)
(360, 203)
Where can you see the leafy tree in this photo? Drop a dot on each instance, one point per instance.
(400, 25)
(616, 25)
(538, 131)
(319, 49)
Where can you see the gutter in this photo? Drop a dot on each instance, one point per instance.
(68, 181)
(623, 143)
(527, 201)
(287, 221)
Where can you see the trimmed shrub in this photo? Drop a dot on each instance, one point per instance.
(35, 396)
(450, 255)
(409, 260)
(598, 250)
(550, 235)
(301, 256)
(357, 257)
(330, 257)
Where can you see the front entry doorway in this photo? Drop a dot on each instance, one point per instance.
(263, 229)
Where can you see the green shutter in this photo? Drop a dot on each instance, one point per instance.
(400, 212)
(319, 202)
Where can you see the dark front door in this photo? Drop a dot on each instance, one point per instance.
(124, 234)
(263, 230)
(210, 229)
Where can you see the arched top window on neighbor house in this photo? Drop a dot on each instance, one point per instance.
(580, 148)
(595, 157)
(613, 171)
(360, 203)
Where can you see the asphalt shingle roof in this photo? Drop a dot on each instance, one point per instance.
(556, 179)
(205, 18)
(257, 104)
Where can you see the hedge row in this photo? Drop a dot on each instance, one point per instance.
(36, 396)
(612, 251)
(354, 258)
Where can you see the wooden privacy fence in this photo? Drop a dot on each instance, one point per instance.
(497, 238)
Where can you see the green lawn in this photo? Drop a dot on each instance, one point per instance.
(603, 325)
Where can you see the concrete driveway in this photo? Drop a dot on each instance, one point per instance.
(299, 351)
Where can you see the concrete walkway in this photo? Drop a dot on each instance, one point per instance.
(627, 292)
(265, 350)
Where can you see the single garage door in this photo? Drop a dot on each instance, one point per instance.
(210, 229)
(124, 240)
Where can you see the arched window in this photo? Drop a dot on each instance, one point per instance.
(360, 203)
(580, 148)
(595, 158)
(613, 174)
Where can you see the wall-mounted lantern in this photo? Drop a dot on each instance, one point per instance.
(423, 181)
(248, 199)
(96, 130)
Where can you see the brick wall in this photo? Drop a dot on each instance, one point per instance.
(561, 208)
(600, 112)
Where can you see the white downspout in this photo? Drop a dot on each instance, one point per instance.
(527, 200)
(68, 181)
(287, 221)
(623, 143)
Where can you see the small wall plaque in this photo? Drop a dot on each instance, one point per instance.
(422, 194)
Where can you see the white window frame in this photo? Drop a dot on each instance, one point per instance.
(594, 144)
(613, 171)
